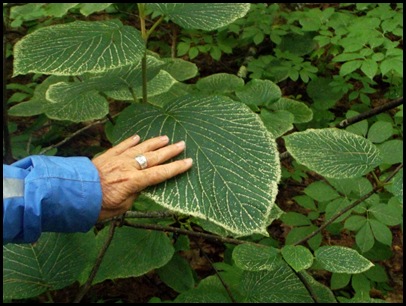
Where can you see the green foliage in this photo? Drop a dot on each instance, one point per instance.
(232, 124)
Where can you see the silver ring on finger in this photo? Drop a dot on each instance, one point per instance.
(142, 161)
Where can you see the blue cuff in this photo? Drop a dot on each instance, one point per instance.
(64, 193)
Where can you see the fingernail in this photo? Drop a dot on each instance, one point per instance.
(164, 138)
(181, 144)
(188, 161)
(136, 137)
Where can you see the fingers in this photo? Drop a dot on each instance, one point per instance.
(124, 145)
(162, 155)
(158, 174)
(149, 145)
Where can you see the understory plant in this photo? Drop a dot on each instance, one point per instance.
(231, 127)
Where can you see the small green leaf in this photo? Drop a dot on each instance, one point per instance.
(177, 274)
(179, 69)
(397, 186)
(354, 223)
(387, 214)
(182, 48)
(333, 153)
(340, 280)
(90, 8)
(381, 232)
(360, 284)
(321, 192)
(321, 91)
(391, 151)
(335, 206)
(392, 65)
(277, 122)
(259, 92)
(369, 67)
(364, 238)
(377, 274)
(349, 67)
(359, 128)
(298, 233)
(300, 111)
(305, 201)
(193, 52)
(256, 258)
(220, 83)
(294, 219)
(340, 259)
(298, 257)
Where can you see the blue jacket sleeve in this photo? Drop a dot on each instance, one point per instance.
(49, 194)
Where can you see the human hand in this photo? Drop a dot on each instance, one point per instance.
(122, 178)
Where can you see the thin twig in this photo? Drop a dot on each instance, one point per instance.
(97, 264)
(215, 270)
(172, 229)
(370, 113)
(43, 151)
(344, 210)
(142, 214)
(8, 157)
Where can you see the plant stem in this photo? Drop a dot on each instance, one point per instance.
(43, 151)
(217, 273)
(172, 229)
(144, 78)
(370, 113)
(153, 27)
(344, 210)
(8, 157)
(97, 264)
(144, 35)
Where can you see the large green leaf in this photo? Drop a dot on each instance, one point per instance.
(299, 110)
(340, 259)
(78, 47)
(52, 263)
(233, 181)
(220, 83)
(259, 92)
(333, 153)
(133, 252)
(73, 102)
(204, 16)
